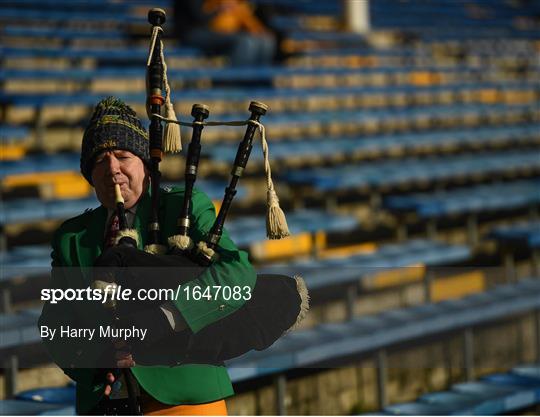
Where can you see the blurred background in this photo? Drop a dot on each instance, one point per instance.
(404, 142)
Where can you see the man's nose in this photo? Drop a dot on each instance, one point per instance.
(113, 164)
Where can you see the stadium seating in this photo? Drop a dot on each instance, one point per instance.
(299, 150)
(430, 119)
(367, 335)
(470, 201)
(34, 408)
(512, 238)
(367, 268)
(411, 171)
(495, 394)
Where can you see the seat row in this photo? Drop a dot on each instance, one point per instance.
(222, 101)
(414, 172)
(246, 232)
(132, 79)
(495, 394)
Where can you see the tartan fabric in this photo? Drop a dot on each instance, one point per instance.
(112, 231)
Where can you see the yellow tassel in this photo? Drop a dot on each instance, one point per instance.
(181, 242)
(156, 249)
(276, 223)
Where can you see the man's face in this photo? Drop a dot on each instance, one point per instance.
(123, 168)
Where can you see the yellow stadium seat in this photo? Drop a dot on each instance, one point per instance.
(457, 286)
(300, 244)
(489, 96)
(349, 250)
(60, 184)
(396, 276)
(12, 152)
(421, 78)
(71, 188)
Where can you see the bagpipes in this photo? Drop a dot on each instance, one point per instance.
(277, 304)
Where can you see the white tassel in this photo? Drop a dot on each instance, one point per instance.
(171, 135)
(108, 288)
(304, 304)
(155, 249)
(181, 242)
(131, 233)
(276, 223)
(208, 252)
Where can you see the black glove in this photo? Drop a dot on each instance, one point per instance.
(153, 320)
(161, 345)
(135, 269)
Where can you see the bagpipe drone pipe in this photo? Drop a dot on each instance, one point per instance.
(277, 302)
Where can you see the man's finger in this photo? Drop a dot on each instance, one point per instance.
(110, 377)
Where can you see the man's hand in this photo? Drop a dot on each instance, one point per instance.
(123, 356)
(123, 359)
(109, 381)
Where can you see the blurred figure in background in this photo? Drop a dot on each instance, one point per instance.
(227, 27)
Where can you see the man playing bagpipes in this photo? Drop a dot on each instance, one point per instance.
(143, 237)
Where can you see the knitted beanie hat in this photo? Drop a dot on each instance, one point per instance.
(114, 125)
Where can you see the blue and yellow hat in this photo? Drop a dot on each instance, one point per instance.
(114, 125)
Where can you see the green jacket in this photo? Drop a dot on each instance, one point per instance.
(79, 241)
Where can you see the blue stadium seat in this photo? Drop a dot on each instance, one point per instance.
(18, 329)
(422, 409)
(63, 15)
(56, 395)
(501, 196)
(63, 33)
(527, 232)
(41, 163)
(532, 371)
(498, 399)
(13, 133)
(28, 408)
